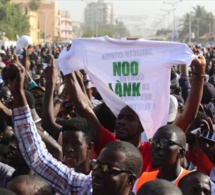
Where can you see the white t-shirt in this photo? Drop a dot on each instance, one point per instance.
(136, 71)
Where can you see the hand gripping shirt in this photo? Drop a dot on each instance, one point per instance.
(129, 72)
(63, 180)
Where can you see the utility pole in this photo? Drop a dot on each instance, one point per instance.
(168, 13)
(173, 3)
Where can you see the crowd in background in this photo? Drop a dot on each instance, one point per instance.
(56, 105)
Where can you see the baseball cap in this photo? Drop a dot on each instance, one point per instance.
(173, 109)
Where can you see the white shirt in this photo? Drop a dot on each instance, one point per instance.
(137, 71)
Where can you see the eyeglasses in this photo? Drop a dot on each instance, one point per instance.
(162, 143)
(105, 168)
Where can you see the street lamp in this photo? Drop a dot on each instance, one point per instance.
(160, 18)
(173, 13)
(168, 13)
(190, 28)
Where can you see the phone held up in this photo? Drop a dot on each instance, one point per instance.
(206, 135)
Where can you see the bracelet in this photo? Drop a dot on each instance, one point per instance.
(201, 76)
(58, 99)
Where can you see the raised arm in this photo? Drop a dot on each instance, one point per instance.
(195, 95)
(48, 118)
(184, 81)
(81, 103)
(62, 179)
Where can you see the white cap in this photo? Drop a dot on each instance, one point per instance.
(173, 109)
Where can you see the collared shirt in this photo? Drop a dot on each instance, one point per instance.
(63, 180)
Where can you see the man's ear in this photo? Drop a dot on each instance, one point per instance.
(90, 146)
(131, 179)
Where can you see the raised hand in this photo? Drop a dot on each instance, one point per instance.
(198, 66)
(16, 76)
(51, 73)
(207, 147)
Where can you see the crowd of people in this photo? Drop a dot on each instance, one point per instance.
(58, 136)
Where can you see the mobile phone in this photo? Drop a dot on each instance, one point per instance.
(206, 135)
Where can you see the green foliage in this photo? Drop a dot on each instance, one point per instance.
(34, 5)
(12, 20)
(201, 23)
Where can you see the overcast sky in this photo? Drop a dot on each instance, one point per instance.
(147, 7)
(150, 9)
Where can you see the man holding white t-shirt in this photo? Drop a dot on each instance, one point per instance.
(86, 51)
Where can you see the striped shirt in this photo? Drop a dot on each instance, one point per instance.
(62, 179)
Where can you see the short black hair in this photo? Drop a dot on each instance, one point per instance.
(181, 137)
(134, 160)
(105, 116)
(186, 179)
(40, 185)
(80, 124)
(159, 187)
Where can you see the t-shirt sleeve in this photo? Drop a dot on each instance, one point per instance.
(73, 59)
(179, 53)
(105, 138)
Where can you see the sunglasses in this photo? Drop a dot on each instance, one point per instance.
(162, 143)
(105, 168)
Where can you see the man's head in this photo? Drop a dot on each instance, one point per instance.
(167, 146)
(77, 141)
(159, 187)
(195, 183)
(116, 169)
(14, 156)
(208, 93)
(29, 185)
(128, 125)
(105, 116)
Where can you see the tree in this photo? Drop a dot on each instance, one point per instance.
(12, 20)
(34, 5)
(120, 30)
(200, 21)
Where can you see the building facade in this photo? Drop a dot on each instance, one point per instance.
(47, 23)
(65, 26)
(98, 13)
